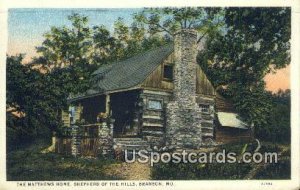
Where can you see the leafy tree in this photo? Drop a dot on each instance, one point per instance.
(29, 103)
(278, 128)
(67, 57)
(170, 20)
(65, 46)
(135, 39)
(104, 46)
(255, 43)
(69, 50)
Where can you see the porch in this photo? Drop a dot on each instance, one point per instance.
(133, 119)
(122, 107)
(92, 140)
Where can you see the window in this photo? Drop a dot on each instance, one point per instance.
(155, 104)
(168, 72)
(204, 108)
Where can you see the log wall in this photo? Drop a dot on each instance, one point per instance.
(156, 81)
(153, 120)
(66, 117)
(229, 134)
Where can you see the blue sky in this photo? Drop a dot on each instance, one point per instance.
(37, 21)
(27, 26)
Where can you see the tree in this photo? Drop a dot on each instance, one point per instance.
(69, 55)
(135, 39)
(104, 46)
(30, 102)
(65, 46)
(278, 129)
(170, 20)
(255, 42)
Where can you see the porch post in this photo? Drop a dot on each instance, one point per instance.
(53, 146)
(75, 140)
(107, 105)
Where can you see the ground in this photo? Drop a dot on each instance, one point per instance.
(129, 171)
(32, 163)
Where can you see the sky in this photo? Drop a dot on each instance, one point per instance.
(27, 26)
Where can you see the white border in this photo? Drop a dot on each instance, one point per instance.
(203, 184)
(141, 3)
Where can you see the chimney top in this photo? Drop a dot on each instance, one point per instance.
(186, 31)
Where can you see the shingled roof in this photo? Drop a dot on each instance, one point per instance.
(127, 73)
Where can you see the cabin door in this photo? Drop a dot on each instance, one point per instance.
(123, 107)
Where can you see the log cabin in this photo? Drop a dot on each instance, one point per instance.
(159, 98)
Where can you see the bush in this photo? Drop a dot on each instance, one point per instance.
(277, 129)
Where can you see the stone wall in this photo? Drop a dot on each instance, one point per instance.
(75, 146)
(105, 136)
(183, 114)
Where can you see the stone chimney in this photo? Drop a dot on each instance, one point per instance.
(183, 114)
(185, 52)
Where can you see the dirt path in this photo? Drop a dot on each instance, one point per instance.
(130, 171)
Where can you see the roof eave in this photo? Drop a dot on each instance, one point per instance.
(70, 100)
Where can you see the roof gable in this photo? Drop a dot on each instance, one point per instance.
(132, 71)
(127, 73)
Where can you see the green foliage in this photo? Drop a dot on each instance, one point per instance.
(242, 45)
(67, 57)
(223, 171)
(65, 46)
(280, 170)
(253, 104)
(209, 171)
(170, 20)
(278, 128)
(269, 147)
(28, 105)
(29, 164)
(189, 171)
(254, 42)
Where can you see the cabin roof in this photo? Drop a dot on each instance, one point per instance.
(127, 73)
(228, 119)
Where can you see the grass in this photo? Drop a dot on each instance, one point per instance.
(280, 170)
(221, 171)
(30, 164)
(200, 171)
